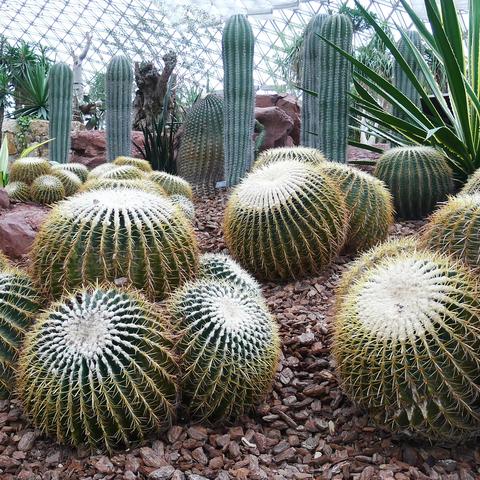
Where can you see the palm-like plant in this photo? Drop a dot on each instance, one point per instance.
(31, 92)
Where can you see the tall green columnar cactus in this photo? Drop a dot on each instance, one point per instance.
(60, 97)
(237, 50)
(311, 81)
(118, 87)
(400, 79)
(335, 73)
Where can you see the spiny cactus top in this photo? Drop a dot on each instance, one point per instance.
(112, 183)
(99, 170)
(27, 169)
(222, 267)
(230, 347)
(47, 189)
(124, 172)
(185, 204)
(19, 301)
(369, 204)
(98, 369)
(473, 184)
(407, 346)
(300, 154)
(173, 184)
(285, 220)
(141, 164)
(18, 191)
(71, 183)
(127, 234)
(80, 170)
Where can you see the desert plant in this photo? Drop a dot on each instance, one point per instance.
(285, 220)
(99, 170)
(230, 348)
(71, 183)
(185, 205)
(200, 158)
(98, 369)
(27, 169)
(473, 184)
(47, 189)
(123, 233)
(139, 163)
(239, 97)
(172, 184)
(60, 101)
(31, 92)
(18, 191)
(80, 170)
(112, 183)
(123, 172)
(4, 262)
(417, 177)
(4, 162)
(300, 154)
(407, 343)
(118, 100)
(19, 302)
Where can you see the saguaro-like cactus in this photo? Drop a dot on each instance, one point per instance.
(200, 158)
(237, 50)
(60, 100)
(335, 73)
(118, 89)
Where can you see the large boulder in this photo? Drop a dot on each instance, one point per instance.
(278, 126)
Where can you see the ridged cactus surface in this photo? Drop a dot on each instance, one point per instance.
(98, 369)
(19, 302)
(200, 158)
(106, 235)
(47, 189)
(369, 204)
(60, 101)
(71, 183)
(407, 346)
(80, 170)
(111, 183)
(118, 102)
(185, 204)
(139, 163)
(472, 185)
(99, 170)
(27, 169)
(18, 191)
(417, 177)
(300, 154)
(4, 262)
(285, 220)
(230, 348)
(124, 172)
(172, 184)
(239, 97)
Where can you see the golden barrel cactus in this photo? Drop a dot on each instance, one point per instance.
(27, 169)
(300, 154)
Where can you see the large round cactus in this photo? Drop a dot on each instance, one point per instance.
(300, 154)
(369, 204)
(454, 229)
(47, 189)
(18, 191)
(285, 220)
(80, 170)
(109, 183)
(124, 172)
(139, 163)
(407, 345)
(185, 204)
(98, 369)
(473, 184)
(19, 301)
(99, 170)
(116, 234)
(172, 184)
(230, 347)
(27, 169)
(70, 181)
(417, 177)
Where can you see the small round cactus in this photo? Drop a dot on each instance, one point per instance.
(47, 189)
(454, 229)
(70, 181)
(185, 204)
(369, 204)
(123, 172)
(285, 220)
(80, 170)
(99, 170)
(172, 184)
(19, 302)
(217, 266)
(27, 169)
(98, 369)
(109, 183)
(107, 235)
(300, 154)
(417, 177)
(230, 348)
(143, 165)
(407, 346)
(18, 191)
(473, 184)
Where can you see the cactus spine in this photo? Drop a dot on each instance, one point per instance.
(239, 97)
(140, 163)
(118, 99)
(300, 154)
(172, 184)
(18, 191)
(27, 169)
(60, 100)
(47, 189)
(200, 158)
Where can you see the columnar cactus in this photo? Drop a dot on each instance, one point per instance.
(60, 101)
(185, 205)
(285, 220)
(71, 183)
(118, 101)
(200, 158)
(18, 191)
(369, 204)
(109, 183)
(139, 163)
(98, 369)
(300, 154)
(106, 235)
(230, 348)
(473, 184)
(80, 170)
(47, 189)
(19, 301)
(417, 177)
(172, 184)
(407, 346)
(27, 169)
(123, 172)
(239, 97)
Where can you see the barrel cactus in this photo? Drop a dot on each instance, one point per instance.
(19, 302)
(98, 369)
(71, 183)
(407, 346)
(417, 177)
(4, 262)
(285, 220)
(172, 184)
(185, 204)
(80, 170)
(99, 170)
(139, 163)
(18, 191)
(106, 235)
(300, 154)
(230, 348)
(47, 189)
(110, 183)
(200, 157)
(369, 204)
(27, 169)
(123, 172)
(472, 185)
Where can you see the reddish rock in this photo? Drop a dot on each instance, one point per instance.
(4, 199)
(278, 126)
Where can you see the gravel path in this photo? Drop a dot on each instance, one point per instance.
(305, 429)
